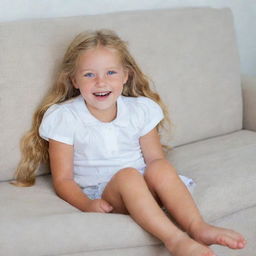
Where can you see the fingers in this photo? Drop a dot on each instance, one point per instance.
(99, 205)
(106, 207)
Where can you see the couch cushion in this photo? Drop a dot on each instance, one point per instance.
(243, 222)
(41, 223)
(190, 54)
(224, 170)
(223, 167)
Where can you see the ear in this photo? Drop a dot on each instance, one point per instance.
(126, 76)
(73, 80)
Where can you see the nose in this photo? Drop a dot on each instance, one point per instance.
(100, 81)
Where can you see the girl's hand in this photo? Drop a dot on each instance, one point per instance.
(99, 205)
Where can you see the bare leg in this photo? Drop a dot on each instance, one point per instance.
(163, 180)
(128, 192)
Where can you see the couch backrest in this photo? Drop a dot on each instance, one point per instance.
(190, 54)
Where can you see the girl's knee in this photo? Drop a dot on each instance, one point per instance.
(123, 181)
(128, 177)
(127, 174)
(159, 170)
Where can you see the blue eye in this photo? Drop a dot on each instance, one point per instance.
(111, 72)
(90, 75)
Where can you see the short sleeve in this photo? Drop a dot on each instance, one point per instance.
(150, 114)
(58, 124)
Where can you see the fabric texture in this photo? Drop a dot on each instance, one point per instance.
(102, 149)
(223, 169)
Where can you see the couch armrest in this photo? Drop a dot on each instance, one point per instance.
(249, 102)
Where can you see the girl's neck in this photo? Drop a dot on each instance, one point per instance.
(105, 115)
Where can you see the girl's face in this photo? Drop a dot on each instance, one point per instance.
(100, 77)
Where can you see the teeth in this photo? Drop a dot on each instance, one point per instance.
(101, 93)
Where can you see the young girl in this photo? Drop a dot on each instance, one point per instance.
(99, 127)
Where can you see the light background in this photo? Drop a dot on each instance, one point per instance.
(244, 12)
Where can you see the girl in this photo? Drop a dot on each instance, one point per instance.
(99, 127)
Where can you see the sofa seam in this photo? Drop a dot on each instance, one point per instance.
(233, 213)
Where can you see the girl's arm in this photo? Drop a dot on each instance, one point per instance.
(151, 147)
(61, 162)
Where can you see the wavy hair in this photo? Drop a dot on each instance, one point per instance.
(34, 149)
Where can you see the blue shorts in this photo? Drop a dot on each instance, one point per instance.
(95, 192)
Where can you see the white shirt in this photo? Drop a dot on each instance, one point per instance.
(101, 149)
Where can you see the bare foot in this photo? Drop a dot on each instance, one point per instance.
(208, 235)
(183, 245)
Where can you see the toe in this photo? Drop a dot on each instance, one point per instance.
(232, 239)
(241, 244)
(227, 241)
(235, 235)
(239, 239)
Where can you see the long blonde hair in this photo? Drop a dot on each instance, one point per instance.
(34, 149)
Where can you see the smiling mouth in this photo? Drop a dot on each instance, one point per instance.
(101, 94)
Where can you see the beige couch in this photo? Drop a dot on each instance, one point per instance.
(192, 57)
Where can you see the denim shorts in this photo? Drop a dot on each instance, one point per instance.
(95, 191)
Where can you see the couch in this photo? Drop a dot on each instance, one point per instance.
(191, 56)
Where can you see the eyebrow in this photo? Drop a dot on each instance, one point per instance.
(88, 69)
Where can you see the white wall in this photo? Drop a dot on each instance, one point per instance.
(244, 15)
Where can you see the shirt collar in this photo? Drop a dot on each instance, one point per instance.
(88, 119)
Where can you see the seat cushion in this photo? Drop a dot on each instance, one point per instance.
(40, 223)
(224, 170)
(35, 221)
(244, 222)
